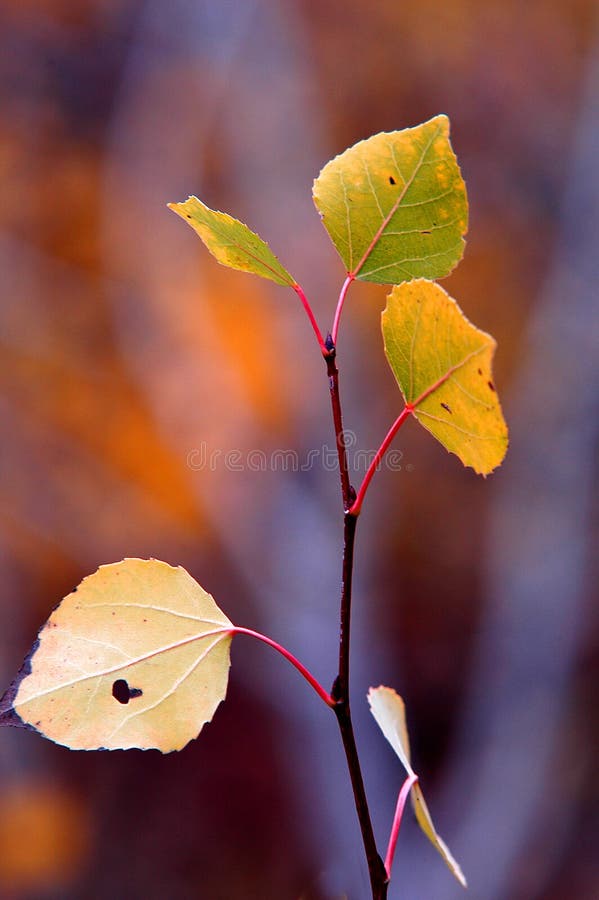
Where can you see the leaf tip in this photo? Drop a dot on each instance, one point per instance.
(443, 121)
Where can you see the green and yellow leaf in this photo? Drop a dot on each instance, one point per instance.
(443, 366)
(136, 656)
(389, 711)
(231, 242)
(395, 205)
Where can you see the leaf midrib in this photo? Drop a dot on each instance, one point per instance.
(395, 206)
(118, 668)
(441, 381)
(232, 243)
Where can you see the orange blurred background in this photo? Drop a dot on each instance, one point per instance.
(126, 353)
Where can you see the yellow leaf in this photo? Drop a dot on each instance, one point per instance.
(389, 711)
(395, 204)
(231, 242)
(136, 656)
(423, 818)
(443, 365)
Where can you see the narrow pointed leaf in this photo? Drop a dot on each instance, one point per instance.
(389, 711)
(136, 656)
(231, 242)
(443, 365)
(395, 205)
(423, 817)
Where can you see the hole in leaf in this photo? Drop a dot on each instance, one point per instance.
(392, 180)
(123, 693)
(425, 232)
(448, 408)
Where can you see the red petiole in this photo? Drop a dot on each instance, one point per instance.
(399, 809)
(404, 414)
(340, 302)
(312, 681)
(305, 303)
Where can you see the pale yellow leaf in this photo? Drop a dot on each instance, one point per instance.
(423, 817)
(389, 711)
(136, 656)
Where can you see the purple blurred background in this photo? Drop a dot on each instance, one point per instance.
(125, 351)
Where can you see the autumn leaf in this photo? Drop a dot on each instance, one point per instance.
(443, 366)
(136, 656)
(388, 709)
(395, 205)
(231, 242)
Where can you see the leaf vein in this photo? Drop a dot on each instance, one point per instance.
(176, 685)
(397, 203)
(409, 259)
(118, 668)
(472, 434)
(179, 615)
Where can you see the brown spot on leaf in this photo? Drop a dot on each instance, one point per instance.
(491, 386)
(448, 408)
(480, 371)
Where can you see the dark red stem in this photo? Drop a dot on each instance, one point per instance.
(347, 492)
(340, 693)
(340, 690)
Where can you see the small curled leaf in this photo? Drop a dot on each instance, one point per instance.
(231, 242)
(136, 656)
(389, 711)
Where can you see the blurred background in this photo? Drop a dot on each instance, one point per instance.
(126, 352)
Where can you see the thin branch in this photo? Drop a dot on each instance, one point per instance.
(347, 492)
(340, 693)
(376, 868)
(340, 689)
(349, 538)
